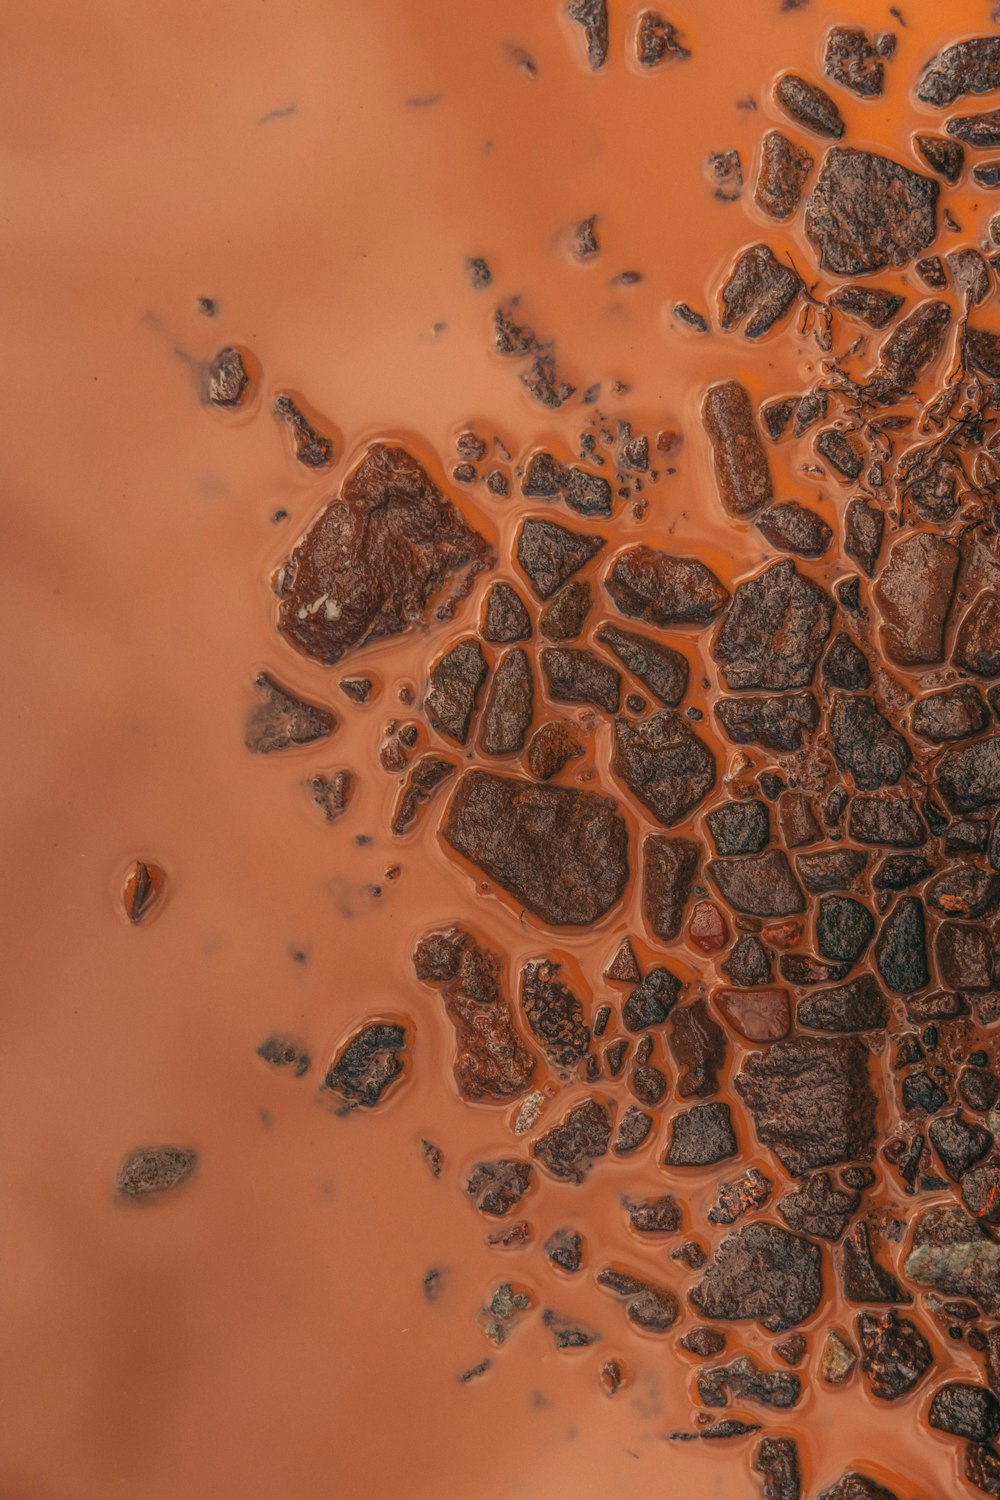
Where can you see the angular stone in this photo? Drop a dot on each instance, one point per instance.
(816, 1207)
(698, 1046)
(745, 1381)
(664, 763)
(885, 818)
(669, 867)
(551, 747)
(954, 1255)
(784, 170)
(563, 617)
(867, 211)
(858, 1005)
(506, 619)
(454, 685)
(759, 291)
(797, 821)
(659, 668)
(633, 1130)
(968, 778)
(651, 1001)
(700, 1136)
(554, 1014)
(549, 554)
(748, 963)
(741, 467)
(763, 1272)
(776, 1460)
(776, 722)
(912, 346)
(970, 67)
(154, 1169)
(745, 1194)
(951, 714)
(865, 744)
(966, 1410)
(959, 1143)
(901, 948)
(977, 644)
(830, 869)
(869, 304)
(854, 61)
(865, 1280)
(809, 106)
(664, 590)
(853, 1485)
(281, 721)
(964, 956)
(945, 157)
(864, 527)
(569, 1150)
(845, 665)
(812, 1101)
(509, 705)
(760, 885)
(774, 631)
(577, 676)
(894, 1354)
(914, 593)
(844, 928)
(497, 1186)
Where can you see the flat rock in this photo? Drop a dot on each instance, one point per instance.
(509, 705)
(563, 617)
(966, 1410)
(664, 590)
(852, 59)
(569, 1150)
(865, 743)
(977, 643)
(774, 631)
(549, 553)
(281, 721)
(784, 171)
(758, 292)
(867, 211)
(809, 106)
(748, 962)
(152, 1170)
(944, 157)
(664, 763)
(864, 527)
(741, 467)
(954, 1255)
(959, 1143)
(763, 1272)
(740, 827)
(497, 1186)
(659, 668)
(552, 746)
(760, 885)
(844, 928)
(367, 1065)
(830, 869)
(554, 1014)
(816, 1207)
(776, 1460)
(864, 1278)
(970, 67)
(563, 853)
(506, 619)
(845, 665)
(760, 1015)
(777, 721)
(858, 1005)
(968, 776)
(812, 1101)
(669, 867)
(792, 527)
(698, 1047)
(895, 1356)
(869, 304)
(901, 947)
(574, 675)
(854, 1485)
(964, 890)
(885, 818)
(951, 714)
(700, 1136)
(743, 1380)
(914, 593)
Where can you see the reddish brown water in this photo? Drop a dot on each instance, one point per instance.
(264, 1331)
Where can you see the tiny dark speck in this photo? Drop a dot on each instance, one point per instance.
(374, 890)
(363, 838)
(265, 1118)
(278, 516)
(432, 1284)
(423, 101)
(278, 114)
(476, 1370)
(299, 955)
(208, 306)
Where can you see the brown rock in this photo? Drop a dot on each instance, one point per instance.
(281, 721)
(760, 885)
(914, 593)
(507, 717)
(758, 292)
(774, 632)
(664, 763)
(577, 676)
(549, 553)
(659, 668)
(977, 644)
(866, 211)
(741, 467)
(784, 169)
(664, 590)
(812, 1101)
(809, 106)
(453, 688)
(760, 1015)
(668, 873)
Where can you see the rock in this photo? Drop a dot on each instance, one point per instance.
(844, 928)
(669, 867)
(865, 744)
(549, 553)
(566, 1332)
(830, 869)
(741, 467)
(745, 1381)
(901, 948)
(651, 1001)
(506, 619)
(777, 722)
(705, 1342)
(760, 1015)
(982, 1467)
(869, 304)
(858, 1005)
(624, 967)
(760, 885)
(700, 1136)
(894, 1354)
(551, 747)
(945, 157)
(864, 1279)
(838, 1358)
(496, 1186)
(809, 106)
(564, 1248)
(970, 67)
(554, 1014)
(792, 527)
(979, 1089)
(983, 350)
(911, 347)
(371, 563)
(285, 1052)
(797, 821)
(657, 41)
(885, 818)
(964, 956)
(664, 763)
(921, 1092)
(748, 963)
(914, 593)
(977, 644)
(784, 169)
(845, 665)
(633, 1129)
(745, 1194)
(758, 292)
(659, 668)
(812, 1101)
(802, 969)
(653, 1215)
(332, 794)
(774, 631)
(652, 1308)
(966, 1410)
(509, 706)
(970, 274)
(839, 452)
(951, 714)
(708, 929)
(664, 590)
(563, 617)
(226, 379)
(281, 720)
(740, 827)
(952, 1254)
(698, 1045)
(969, 777)
(959, 1143)
(367, 1065)
(867, 211)
(309, 446)
(761, 1271)
(588, 494)
(855, 62)
(570, 1149)
(491, 1060)
(154, 1169)
(577, 676)
(563, 853)
(776, 1460)
(864, 525)
(592, 16)
(818, 1208)
(453, 689)
(856, 1486)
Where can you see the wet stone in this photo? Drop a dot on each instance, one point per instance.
(740, 827)
(776, 1460)
(864, 526)
(959, 1143)
(784, 170)
(653, 1215)
(569, 1150)
(951, 714)
(797, 821)
(760, 1015)
(748, 963)
(844, 928)
(759, 292)
(774, 631)
(647, 1306)
(664, 590)
(453, 688)
(792, 527)
(588, 494)
(368, 1065)
(894, 1354)
(554, 1014)
(624, 967)
(830, 869)
(566, 1333)
(987, 175)
(506, 619)
(867, 211)
(759, 885)
(970, 274)
(979, 1089)
(931, 271)
(885, 818)
(659, 668)
(509, 705)
(577, 676)
(970, 67)
(281, 721)
(964, 956)
(855, 61)
(981, 1192)
(563, 617)
(497, 1186)
(954, 1255)
(725, 172)
(858, 1005)
(945, 157)
(919, 1091)
(864, 1279)
(311, 447)
(809, 106)
(658, 41)
(422, 781)
(911, 347)
(982, 1467)
(371, 563)
(802, 969)
(226, 379)
(592, 16)
(816, 1207)
(763, 1272)
(549, 554)
(741, 466)
(845, 665)
(865, 744)
(869, 304)
(839, 452)
(966, 1410)
(776, 722)
(669, 867)
(700, 1136)
(901, 948)
(552, 746)
(633, 1129)
(544, 383)
(812, 1101)
(664, 763)
(652, 1000)
(563, 853)
(977, 644)
(745, 1381)
(969, 778)
(544, 476)
(284, 1052)
(564, 1248)
(707, 929)
(154, 1169)
(698, 1046)
(704, 1342)
(743, 1195)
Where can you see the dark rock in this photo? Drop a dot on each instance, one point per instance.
(564, 1248)
(856, 1486)
(664, 763)
(698, 1045)
(964, 956)
(979, 1089)
(894, 1354)
(784, 168)
(624, 967)
(955, 1256)
(914, 593)
(931, 271)
(969, 778)
(946, 158)
(588, 494)
(981, 1191)
(592, 16)
(951, 714)
(506, 618)
(705, 1342)
(987, 174)
(154, 1169)
(496, 1186)
(741, 467)
(660, 668)
(885, 818)
(358, 689)
(563, 617)
(700, 1136)
(758, 292)
(669, 867)
(921, 1092)
(651, 1001)
(967, 1410)
(959, 1143)
(544, 477)
(576, 676)
(858, 1005)
(776, 722)
(745, 1381)
(977, 644)
(633, 1129)
(801, 969)
(760, 885)
(654, 1215)
(864, 525)
(281, 720)
(650, 1307)
(664, 590)
(865, 744)
(284, 1052)
(491, 1060)
(563, 853)
(745, 1194)
(226, 379)
(554, 1014)
(812, 1101)
(846, 666)
(570, 1149)
(983, 350)
(910, 348)
(740, 827)
(552, 745)
(454, 685)
(864, 1279)
(867, 211)
(792, 527)
(797, 820)
(830, 869)
(839, 452)
(774, 631)
(549, 553)
(566, 1332)
(776, 1460)
(309, 446)
(809, 106)
(901, 947)
(332, 793)
(761, 1271)
(369, 566)
(724, 170)
(970, 274)
(971, 67)
(816, 1207)
(367, 1065)
(964, 890)
(854, 61)
(982, 1467)
(657, 41)
(509, 705)
(967, 836)
(748, 963)
(648, 1084)
(869, 304)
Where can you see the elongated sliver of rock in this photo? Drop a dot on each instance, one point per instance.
(741, 468)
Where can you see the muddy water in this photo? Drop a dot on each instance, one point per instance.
(322, 174)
